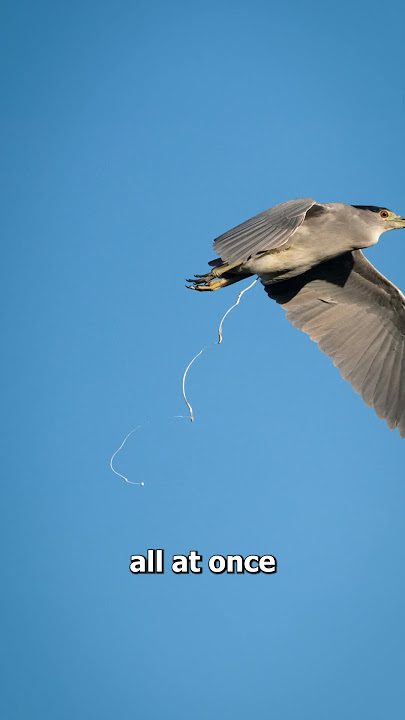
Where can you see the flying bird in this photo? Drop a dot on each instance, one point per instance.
(309, 258)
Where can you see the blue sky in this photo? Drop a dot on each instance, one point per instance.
(133, 134)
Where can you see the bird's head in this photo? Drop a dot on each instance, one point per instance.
(381, 217)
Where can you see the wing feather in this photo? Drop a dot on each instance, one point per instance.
(357, 317)
(266, 231)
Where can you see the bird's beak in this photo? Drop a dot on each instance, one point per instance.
(400, 221)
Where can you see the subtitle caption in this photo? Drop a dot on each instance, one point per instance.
(153, 564)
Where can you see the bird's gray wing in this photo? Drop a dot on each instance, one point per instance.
(357, 317)
(263, 232)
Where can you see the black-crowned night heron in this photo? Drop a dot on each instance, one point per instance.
(308, 257)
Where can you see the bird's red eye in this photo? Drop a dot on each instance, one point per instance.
(384, 213)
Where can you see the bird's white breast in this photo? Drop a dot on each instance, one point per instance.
(308, 246)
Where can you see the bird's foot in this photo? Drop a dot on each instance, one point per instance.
(205, 276)
(201, 279)
(214, 284)
(213, 280)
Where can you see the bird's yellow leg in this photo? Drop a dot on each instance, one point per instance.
(214, 273)
(215, 284)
